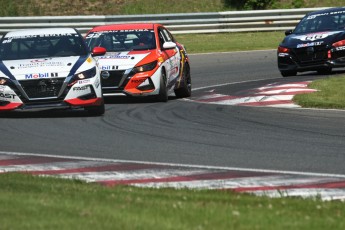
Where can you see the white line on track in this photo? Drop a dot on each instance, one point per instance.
(230, 83)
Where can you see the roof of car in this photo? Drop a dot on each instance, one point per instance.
(31, 32)
(128, 26)
(327, 10)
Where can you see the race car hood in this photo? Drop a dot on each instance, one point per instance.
(121, 61)
(312, 39)
(39, 68)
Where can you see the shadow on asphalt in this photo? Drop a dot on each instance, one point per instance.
(78, 113)
(46, 114)
(134, 100)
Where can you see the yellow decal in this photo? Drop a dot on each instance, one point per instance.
(181, 66)
(160, 59)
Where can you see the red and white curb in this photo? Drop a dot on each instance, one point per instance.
(144, 174)
(271, 95)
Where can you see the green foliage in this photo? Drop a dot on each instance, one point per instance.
(297, 3)
(257, 4)
(249, 4)
(8, 8)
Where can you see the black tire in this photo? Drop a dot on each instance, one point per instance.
(96, 110)
(288, 73)
(163, 91)
(325, 71)
(185, 89)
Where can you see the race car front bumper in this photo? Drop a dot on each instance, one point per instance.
(81, 94)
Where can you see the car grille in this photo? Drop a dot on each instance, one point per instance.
(113, 80)
(42, 88)
(310, 55)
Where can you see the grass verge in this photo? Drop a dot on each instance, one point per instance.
(225, 42)
(330, 94)
(29, 202)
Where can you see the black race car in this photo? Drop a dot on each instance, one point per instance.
(316, 44)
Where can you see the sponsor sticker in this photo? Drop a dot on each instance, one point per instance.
(309, 44)
(106, 67)
(41, 35)
(99, 33)
(109, 67)
(315, 36)
(85, 89)
(340, 48)
(7, 96)
(138, 80)
(37, 63)
(325, 14)
(39, 60)
(116, 57)
(40, 75)
(84, 81)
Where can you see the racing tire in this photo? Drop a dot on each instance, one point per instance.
(163, 91)
(288, 73)
(325, 71)
(96, 110)
(185, 89)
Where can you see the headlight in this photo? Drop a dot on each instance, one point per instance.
(86, 74)
(83, 75)
(3, 81)
(144, 68)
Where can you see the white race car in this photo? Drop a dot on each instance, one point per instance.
(48, 69)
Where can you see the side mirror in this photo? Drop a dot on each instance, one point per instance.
(169, 45)
(288, 32)
(97, 51)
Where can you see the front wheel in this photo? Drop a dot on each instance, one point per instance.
(185, 89)
(288, 73)
(325, 71)
(163, 91)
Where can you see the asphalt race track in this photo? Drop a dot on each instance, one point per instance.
(194, 133)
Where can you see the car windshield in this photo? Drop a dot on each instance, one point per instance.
(41, 46)
(321, 22)
(122, 40)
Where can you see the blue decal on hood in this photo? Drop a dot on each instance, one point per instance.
(76, 66)
(4, 69)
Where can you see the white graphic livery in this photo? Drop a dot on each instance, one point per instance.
(48, 69)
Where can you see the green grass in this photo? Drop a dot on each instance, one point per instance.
(223, 42)
(29, 202)
(330, 94)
